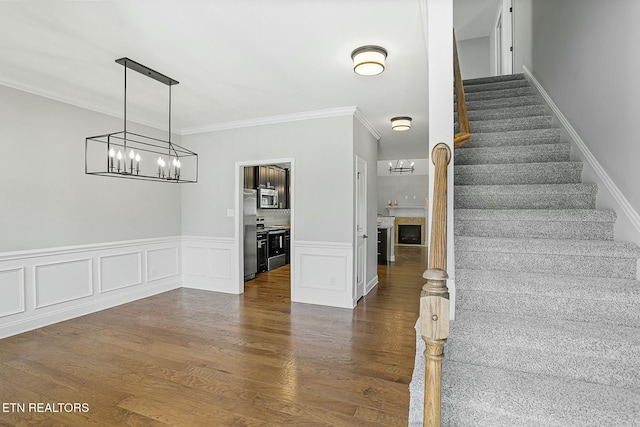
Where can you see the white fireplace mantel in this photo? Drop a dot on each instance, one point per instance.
(407, 211)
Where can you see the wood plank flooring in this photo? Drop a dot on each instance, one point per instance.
(195, 358)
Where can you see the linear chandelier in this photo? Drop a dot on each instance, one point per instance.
(126, 154)
(401, 168)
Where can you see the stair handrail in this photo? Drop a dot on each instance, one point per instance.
(462, 137)
(434, 297)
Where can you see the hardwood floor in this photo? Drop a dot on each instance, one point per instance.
(196, 358)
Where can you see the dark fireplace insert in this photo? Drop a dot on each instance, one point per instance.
(409, 234)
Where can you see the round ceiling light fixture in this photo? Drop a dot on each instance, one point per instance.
(369, 60)
(401, 123)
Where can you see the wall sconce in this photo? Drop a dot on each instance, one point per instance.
(369, 60)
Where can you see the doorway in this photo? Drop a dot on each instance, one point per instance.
(503, 38)
(267, 216)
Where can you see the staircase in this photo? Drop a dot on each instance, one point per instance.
(547, 329)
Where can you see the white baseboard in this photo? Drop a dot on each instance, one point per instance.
(372, 283)
(628, 224)
(42, 287)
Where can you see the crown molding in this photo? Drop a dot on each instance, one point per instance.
(366, 123)
(261, 121)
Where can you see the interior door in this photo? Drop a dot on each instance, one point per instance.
(503, 27)
(361, 226)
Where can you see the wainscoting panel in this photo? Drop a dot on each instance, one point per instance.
(63, 281)
(162, 263)
(12, 291)
(209, 263)
(120, 271)
(42, 287)
(323, 274)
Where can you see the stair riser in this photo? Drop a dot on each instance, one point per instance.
(493, 79)
(536, 229)
(550, 362)
(503, 114)
(483, 87)
(494, 94)
(488, 104)
(623, 268)
(527, 177)
(546, 307)
(492, 126)
(525, 201)
(494, 157)
(510, 139)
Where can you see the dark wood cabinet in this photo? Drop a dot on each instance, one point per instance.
(274, 177)
(382, 245)
(250, 177)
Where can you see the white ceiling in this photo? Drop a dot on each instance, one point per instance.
(236, 60)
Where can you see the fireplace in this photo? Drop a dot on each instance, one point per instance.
(409, 234)
(412, 230)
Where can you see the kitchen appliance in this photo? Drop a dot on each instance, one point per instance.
(250, 237)
(276, 248)
(268, 198)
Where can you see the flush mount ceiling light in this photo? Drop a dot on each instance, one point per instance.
(400, 167)
(130, 155)
(369, 60)
(401, 123)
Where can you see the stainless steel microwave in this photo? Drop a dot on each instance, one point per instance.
(268, 198)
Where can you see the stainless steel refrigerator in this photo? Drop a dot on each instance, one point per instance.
(250, 245)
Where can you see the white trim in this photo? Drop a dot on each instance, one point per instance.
(4, 81)
(324, 245)
(372, 283)
(283, 118)
(613, 189)
(367, 124)
(86, 295)
(35, 253)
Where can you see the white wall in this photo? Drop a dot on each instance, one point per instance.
(583, 55)
(48, 201)
(322, 151)
(522, 35)
(474, 57)
(70, 243)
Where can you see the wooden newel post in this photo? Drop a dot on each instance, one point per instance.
(434, 298)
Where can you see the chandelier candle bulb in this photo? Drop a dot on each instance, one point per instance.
(132, 156)
(137, 163)
(119, 157)
(112, 154)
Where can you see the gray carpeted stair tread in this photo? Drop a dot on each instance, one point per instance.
(504, 113)
(502, 93)
(484, 396)
(492, 86)
(537, 196)
(513, 138)
(597, 248)
(594, 258)
(578, 215)
(493, 79)
(590, 352)
(560, 152)
(511, 124)
(577, 224)
(488, 104)
(519, 173)
(550, 300)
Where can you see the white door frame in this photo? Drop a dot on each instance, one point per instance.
(239, 187)
(361, 238)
